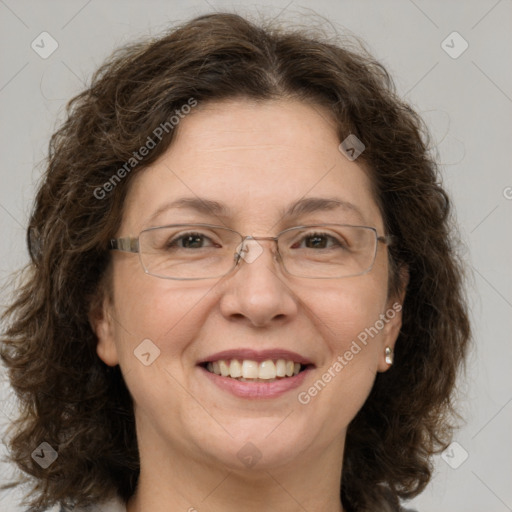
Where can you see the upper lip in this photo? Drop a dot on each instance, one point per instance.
(257, 355)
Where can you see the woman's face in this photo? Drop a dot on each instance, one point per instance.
(256, 160)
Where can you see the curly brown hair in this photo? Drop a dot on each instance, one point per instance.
(72, 400)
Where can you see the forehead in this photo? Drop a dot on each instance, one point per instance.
(255, 159)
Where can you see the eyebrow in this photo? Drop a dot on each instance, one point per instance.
(298, 208)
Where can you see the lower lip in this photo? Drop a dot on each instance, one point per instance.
(256, 389)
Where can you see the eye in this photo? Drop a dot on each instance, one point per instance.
(191, 240)
(320, 241)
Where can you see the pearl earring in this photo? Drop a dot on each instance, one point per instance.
(389, 356)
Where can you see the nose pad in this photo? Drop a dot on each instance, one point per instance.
(249, 250)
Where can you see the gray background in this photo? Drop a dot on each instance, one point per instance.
(466, 101)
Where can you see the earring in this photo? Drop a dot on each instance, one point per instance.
(389, 355)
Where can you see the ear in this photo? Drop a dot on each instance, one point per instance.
(392, 319)
(102, 323)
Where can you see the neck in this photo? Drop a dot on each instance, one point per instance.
(174, 481)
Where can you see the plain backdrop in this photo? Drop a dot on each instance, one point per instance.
(464, 96)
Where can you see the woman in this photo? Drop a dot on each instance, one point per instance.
(243, 292)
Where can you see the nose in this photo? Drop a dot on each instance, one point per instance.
(257, 291)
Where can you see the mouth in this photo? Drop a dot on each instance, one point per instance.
(256, 374)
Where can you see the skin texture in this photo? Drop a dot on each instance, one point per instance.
(256, 158)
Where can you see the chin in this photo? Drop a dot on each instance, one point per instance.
(258, 443)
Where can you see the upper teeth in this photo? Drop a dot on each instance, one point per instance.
(248, 369)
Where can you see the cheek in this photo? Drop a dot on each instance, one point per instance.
(156, 325)
(148, 308)
(344, 312)
(347, 320)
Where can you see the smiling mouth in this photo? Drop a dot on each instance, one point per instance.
(247, 370)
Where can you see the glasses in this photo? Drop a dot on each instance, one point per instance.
(206, 251)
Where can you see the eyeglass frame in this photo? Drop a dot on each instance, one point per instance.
(132, 245)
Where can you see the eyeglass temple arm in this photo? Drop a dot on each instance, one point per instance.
(386, 239)
(126, 244)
